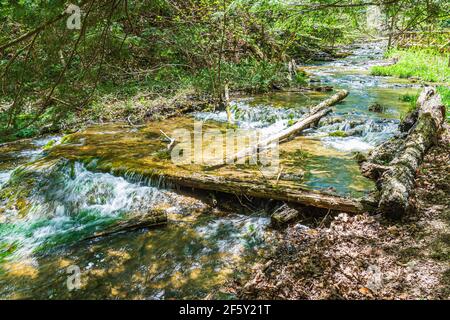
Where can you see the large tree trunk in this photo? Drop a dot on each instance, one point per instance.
(314, 116)
(397, 178)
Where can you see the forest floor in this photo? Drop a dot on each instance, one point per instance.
(364, 256)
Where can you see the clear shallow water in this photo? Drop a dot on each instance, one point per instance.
(42, 232)
(55, 207)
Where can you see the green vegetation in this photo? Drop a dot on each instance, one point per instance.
(55, 78)
(444, 91)
(412, 100)
(426, 64)
(49, 145)
(127, 54)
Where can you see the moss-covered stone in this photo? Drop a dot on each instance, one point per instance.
(338, 133)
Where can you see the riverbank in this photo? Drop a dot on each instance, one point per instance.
(420, 65)
(367, 257)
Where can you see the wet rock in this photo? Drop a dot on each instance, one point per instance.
(359, 157)
(323, 56)
(342, 54)
(330, 120)
(355, 132)
(354, 123)
(376, 107)
(291, 177)
(322, 89)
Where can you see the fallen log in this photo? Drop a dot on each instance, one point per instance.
(261, 190)
(140, 221)
(397, 180)
(314, 115)
(379, 158)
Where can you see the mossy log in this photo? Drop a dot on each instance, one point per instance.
(272, 191)
(397, 177)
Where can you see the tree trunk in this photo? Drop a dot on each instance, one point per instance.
(398, 179)
(267, 190)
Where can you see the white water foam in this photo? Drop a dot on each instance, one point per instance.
(78, 202)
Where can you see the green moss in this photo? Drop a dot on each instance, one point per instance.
(338, 133)
(6, 250)
(15, 192)
(163, 154)
(441, 248)
(408, 254)
(445, 280)
(49, 145)
(66, 138)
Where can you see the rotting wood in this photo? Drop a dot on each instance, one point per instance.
(273, 191)
(283, 215)
(395, 163)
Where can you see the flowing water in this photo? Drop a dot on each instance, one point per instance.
(52, 208)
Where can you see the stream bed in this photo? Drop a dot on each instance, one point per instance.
(50, 207)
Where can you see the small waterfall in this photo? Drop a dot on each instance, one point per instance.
(267, 119)
(356, 134)
(68, 203)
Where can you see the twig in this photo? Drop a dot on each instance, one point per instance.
(171, 140)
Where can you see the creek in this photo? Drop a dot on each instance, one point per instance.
(51, 207)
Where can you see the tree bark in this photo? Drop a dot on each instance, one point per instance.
(283, 215)
(398, 180)
(266, 190)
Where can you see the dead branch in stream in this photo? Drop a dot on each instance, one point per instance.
(139, 222)
(313, 116)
